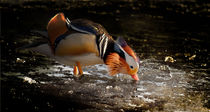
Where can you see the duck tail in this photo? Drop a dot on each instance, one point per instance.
(39, 33)
(41, 46)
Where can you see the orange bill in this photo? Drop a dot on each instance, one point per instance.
(135, 77)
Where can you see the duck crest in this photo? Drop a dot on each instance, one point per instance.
(120, 41)
(131, 52)
(126, 48)
(56, 27)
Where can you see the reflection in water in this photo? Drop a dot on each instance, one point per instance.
(172, 44)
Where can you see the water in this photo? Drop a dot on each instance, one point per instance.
(174, 59)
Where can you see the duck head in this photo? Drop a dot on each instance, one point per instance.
(123, 59)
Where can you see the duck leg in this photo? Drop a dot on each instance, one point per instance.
(76, 70)
(79, 67)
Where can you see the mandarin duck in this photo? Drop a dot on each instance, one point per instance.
(82, 42)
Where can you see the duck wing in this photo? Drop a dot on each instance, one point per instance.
(86, 26)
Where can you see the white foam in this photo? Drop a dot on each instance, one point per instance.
(27, 79)
(56, 75)
(145, 99)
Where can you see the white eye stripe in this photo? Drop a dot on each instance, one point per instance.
(131, 61)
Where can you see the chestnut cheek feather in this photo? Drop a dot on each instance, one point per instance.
(113, 63)
(124, 66)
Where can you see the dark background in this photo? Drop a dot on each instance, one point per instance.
(176, 28)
